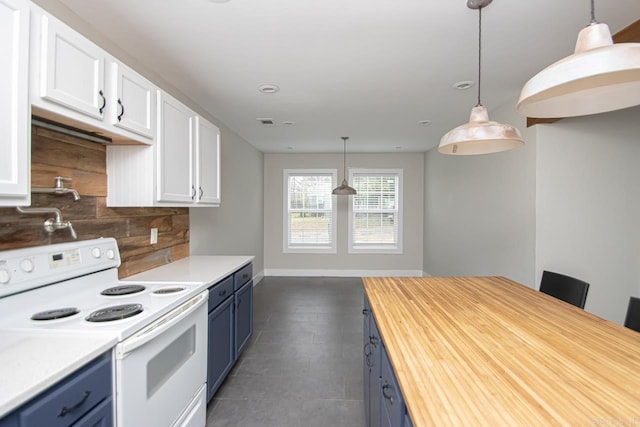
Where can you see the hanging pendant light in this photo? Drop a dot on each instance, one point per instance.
(344, 189)
(480, 135)
(600, 76)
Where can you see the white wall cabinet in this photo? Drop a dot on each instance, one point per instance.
(133, 106)
(76, 82)
(14, 107)
(174, 154)
(181, 169)
(71, 69)
(206, 157)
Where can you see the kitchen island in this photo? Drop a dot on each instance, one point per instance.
(489, 351)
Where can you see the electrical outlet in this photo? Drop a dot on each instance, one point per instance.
(154, 236)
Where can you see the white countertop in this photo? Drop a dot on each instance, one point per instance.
(200, 269)
(32, 361)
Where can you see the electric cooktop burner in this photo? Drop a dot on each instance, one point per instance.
(115, 312)
(123, 290)
(169, 290)
(57, 313)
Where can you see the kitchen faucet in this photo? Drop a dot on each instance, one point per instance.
(51, 224)
(57, 223)
(59, 188)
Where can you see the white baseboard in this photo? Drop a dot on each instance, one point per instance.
(291, 272)
(258, 277)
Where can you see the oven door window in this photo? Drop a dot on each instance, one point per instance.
(169, 360)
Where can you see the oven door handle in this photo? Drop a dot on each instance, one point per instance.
(160, 326)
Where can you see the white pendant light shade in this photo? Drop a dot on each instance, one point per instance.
(600, 76)
(480, 136)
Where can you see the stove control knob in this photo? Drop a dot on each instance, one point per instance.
(26, 265)
(4, 276)
(96, 252)
(111, 254)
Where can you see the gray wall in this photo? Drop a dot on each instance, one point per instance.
(568, 201)
(588, 206)
(236, 227)
(479, 211)
(343, 263)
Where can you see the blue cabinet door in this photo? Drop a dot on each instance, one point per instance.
(244, 316)
(366, 312)
(220, 355)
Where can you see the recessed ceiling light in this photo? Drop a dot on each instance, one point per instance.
(218, 1)
(463, 85)
(424, 122)
(268, 88)
(288, 123)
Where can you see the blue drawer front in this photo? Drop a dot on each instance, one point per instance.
(72, 398)
(220, 292)
(242, 276)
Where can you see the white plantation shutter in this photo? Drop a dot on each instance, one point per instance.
(375, 224)
(309, 212)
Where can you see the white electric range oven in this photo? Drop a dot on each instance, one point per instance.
(160, 358)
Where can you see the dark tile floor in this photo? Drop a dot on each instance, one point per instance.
(303, 366)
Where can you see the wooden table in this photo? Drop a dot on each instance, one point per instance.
(487, 351)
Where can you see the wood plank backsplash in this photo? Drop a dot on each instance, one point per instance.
(55, 154)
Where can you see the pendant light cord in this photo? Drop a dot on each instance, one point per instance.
(593, 12)
(344, 158)
(480, 53)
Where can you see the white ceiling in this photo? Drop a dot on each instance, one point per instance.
(368, 69)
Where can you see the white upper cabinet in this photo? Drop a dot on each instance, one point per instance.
(14, 106)
(175, 143)
(207, 162)
(76, 82)
(132, 107)
(181, 169)
(72, 70)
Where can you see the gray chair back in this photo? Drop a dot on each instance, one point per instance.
(566, 288)
(632, 321)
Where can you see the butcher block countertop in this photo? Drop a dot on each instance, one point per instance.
(487, 351)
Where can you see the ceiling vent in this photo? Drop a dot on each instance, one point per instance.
(266, 122)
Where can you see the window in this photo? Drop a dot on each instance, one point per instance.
(309, 211)
(375, 213)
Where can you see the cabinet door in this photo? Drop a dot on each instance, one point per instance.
(220, 355)
(207, 162)
(392, 403)
(244, 316)
(72, 71)
(375, 371)
(174, 141)
(14, 107)
(133, 105)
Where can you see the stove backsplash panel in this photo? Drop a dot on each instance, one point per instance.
(55, 154)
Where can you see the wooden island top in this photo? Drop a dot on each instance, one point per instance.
(487, 351)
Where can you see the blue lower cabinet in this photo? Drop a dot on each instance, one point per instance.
(384, 404)
(221, 351)
(392, 401)
(82, 399)
(372, 351)
(244, 316)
